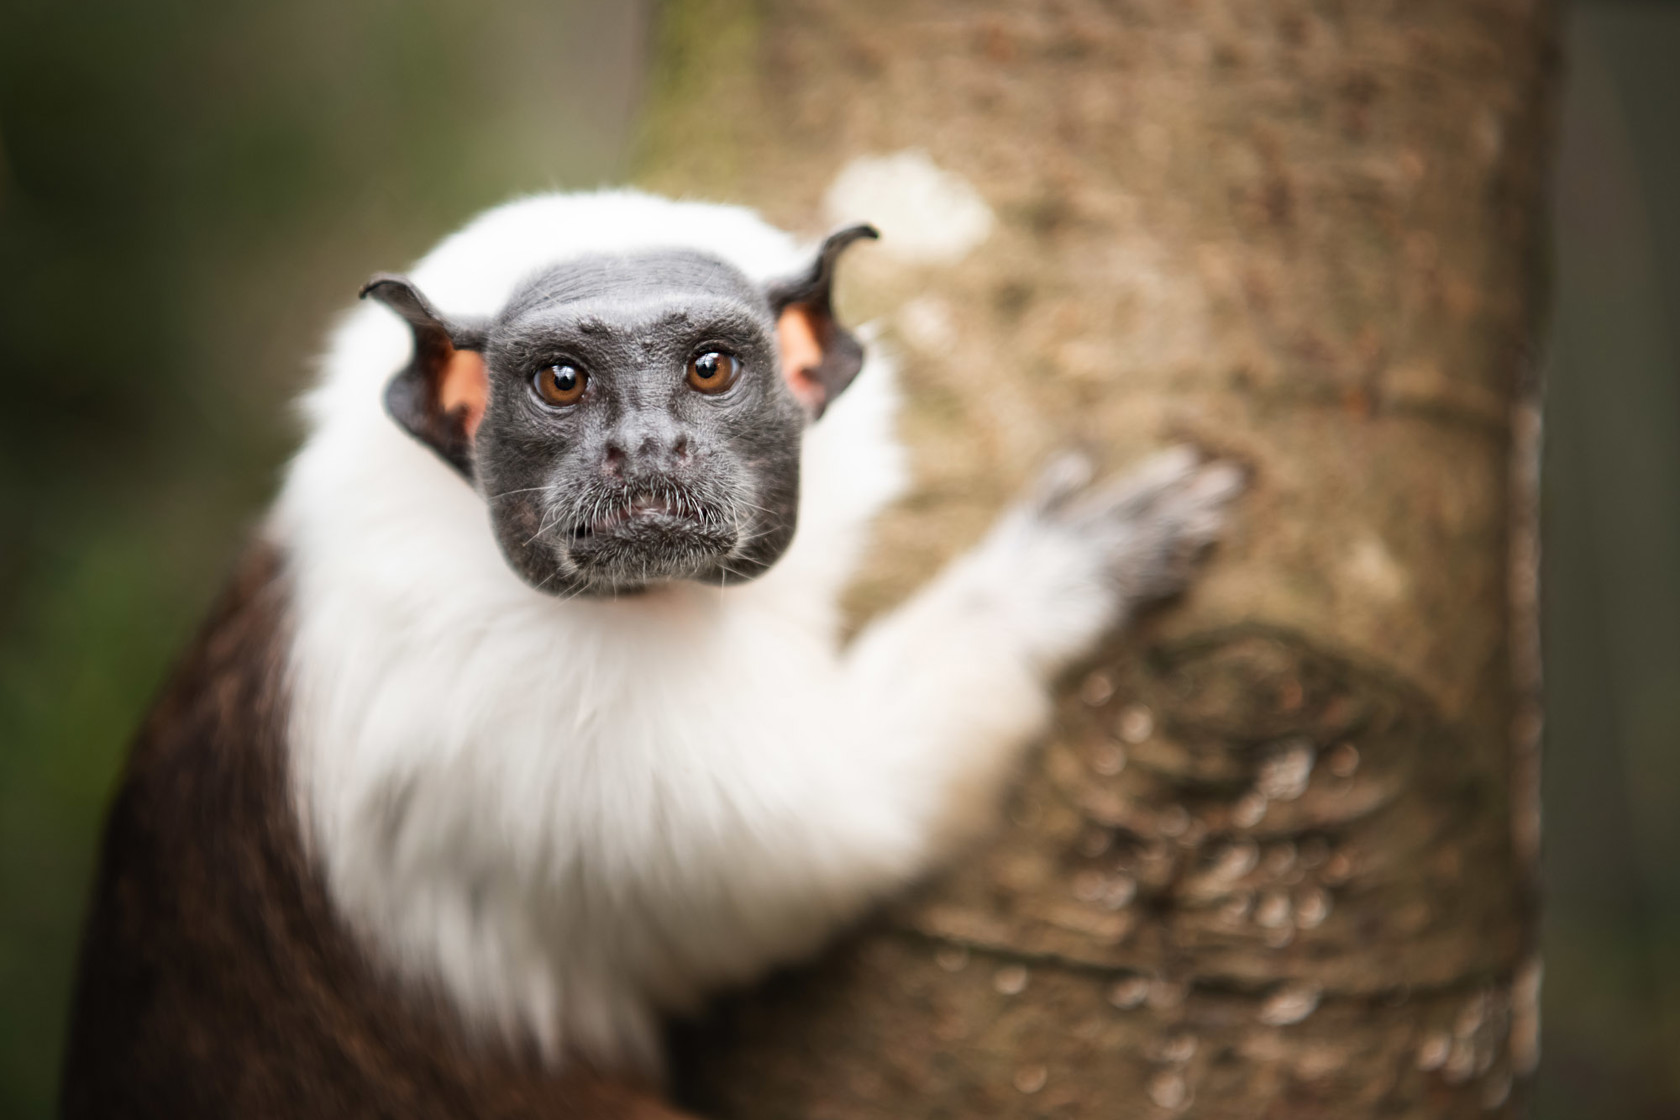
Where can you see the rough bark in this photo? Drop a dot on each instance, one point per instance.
(1276, 857)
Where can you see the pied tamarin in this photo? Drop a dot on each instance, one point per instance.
(526, 721)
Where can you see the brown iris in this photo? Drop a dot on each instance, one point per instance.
(713, 372)
(561, 384)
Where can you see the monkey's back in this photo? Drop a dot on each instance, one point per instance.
(215, 979)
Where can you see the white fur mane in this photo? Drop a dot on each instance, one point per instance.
(571, 815)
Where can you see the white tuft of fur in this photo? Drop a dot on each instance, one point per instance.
(572, 816)
(926, 213)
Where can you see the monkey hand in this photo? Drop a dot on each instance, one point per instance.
(1082, 558)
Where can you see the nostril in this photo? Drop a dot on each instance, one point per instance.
(680, 449)
(612, 463)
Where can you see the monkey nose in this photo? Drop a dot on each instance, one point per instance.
(646, 453)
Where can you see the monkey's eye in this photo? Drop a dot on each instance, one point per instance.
(560, 384)
(713, 372)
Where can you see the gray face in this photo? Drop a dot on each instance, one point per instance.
(637, 423)
(644, 477)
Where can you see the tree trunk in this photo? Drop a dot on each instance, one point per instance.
(1276, 857)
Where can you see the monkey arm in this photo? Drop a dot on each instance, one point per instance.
(957, 680)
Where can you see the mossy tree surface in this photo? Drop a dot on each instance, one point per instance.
(1276, 857)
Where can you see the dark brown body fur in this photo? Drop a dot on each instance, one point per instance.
(215, 980)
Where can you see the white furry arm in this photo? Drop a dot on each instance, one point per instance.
(956, 681)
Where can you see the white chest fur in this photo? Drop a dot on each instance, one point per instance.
(568, 813)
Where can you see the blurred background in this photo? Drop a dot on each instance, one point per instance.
(190, 190)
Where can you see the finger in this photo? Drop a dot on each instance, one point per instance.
(1142, 486)
(1219, 482)
(1066, 475)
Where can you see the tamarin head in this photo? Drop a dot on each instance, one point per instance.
(630, 420)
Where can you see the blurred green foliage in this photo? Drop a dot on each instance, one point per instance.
(1611, 516)
(188, 190)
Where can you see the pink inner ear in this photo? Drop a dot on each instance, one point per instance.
(796, 334)
(465, 384)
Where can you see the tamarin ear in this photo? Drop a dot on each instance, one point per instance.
(819, 356)
(439, 397)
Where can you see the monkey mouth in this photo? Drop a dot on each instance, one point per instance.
(624, 539)
(634, 536)
(649, 511)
